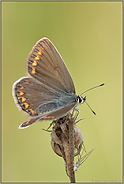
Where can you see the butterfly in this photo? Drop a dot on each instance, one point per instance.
(49, 92)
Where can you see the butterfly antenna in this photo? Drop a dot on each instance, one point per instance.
(92, 88)
(85, 96)
(90, 108)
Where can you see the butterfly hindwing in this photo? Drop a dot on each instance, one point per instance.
(35, 99)
(29, 94)
(50, 116)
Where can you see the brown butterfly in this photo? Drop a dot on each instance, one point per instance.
(49, 92)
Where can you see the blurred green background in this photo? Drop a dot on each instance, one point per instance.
(88, 35)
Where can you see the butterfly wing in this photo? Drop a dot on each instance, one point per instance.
(39, 95)
(50, 116)
(40, 102)
(45, 64)
(29, 94)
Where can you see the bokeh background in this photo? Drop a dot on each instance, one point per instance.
(88, 35)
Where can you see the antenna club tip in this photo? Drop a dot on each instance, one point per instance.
(102, 84)
(94, 112)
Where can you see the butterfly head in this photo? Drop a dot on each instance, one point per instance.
(81, 99)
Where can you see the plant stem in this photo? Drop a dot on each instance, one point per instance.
(71, 151)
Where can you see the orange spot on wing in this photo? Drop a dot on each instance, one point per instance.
(22, 87)
(21, 93)
(33, 71)
(23, 99)
(40, 52)
(26, 105)
(34, 63)
(27, 122)
(42, 48)
(31, 111)
(37, 58)
(47, 117)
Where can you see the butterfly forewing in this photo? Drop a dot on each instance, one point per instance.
(45, 64)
